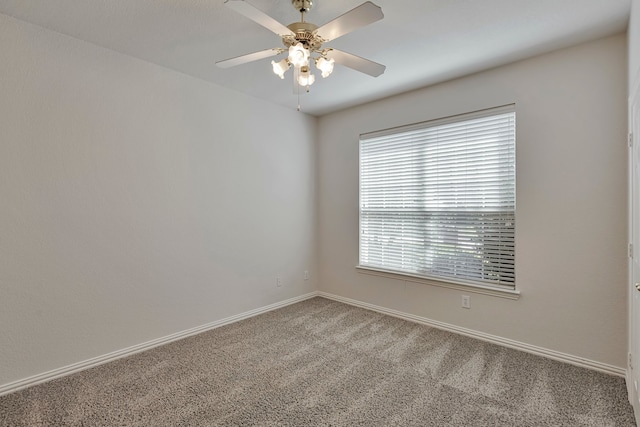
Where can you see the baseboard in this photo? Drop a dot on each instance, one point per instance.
(634, 396)
(629, 381)
(505, 342)
(100, 360)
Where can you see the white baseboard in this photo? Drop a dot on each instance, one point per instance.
(629, 381)
(505, 342)
(96, 361)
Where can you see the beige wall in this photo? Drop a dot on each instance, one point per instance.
(571, 201)
(137, 202)
(634, 43)
(634, 83)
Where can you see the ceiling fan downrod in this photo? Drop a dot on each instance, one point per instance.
(302, 6)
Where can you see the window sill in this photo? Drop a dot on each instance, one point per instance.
(478, 289)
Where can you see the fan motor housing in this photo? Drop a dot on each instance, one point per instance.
(304, 32)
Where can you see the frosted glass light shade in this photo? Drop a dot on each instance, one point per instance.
(306, 78)
(281, 67)
(298, 55)
(325, 66)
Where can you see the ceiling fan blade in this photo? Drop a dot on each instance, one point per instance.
(258, 16)
(362, 15)
(356, 63)
(238, 60)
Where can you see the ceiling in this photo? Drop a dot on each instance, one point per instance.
(421, 42)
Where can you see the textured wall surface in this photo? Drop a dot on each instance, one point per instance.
(571, 201)
(634, 42)
(137, 202)
(634, 84)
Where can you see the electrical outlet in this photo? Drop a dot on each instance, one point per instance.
(306, 275)
(278, 282)
(466, 301)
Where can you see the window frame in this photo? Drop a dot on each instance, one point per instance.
(497, 289)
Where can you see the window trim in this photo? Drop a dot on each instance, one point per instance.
(495, 291)
(444, 282)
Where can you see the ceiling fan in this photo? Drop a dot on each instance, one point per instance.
(304, 42)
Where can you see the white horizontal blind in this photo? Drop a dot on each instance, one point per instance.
(437, 199)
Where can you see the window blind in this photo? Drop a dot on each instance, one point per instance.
(437, 199)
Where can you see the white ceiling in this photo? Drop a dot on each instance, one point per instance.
(421, 42)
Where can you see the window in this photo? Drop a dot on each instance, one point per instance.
(437, 199)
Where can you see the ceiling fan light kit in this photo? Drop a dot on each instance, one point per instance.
(303, 42)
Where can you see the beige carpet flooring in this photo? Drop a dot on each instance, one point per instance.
(324, 363)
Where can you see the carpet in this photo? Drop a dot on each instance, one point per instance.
(325, 363)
